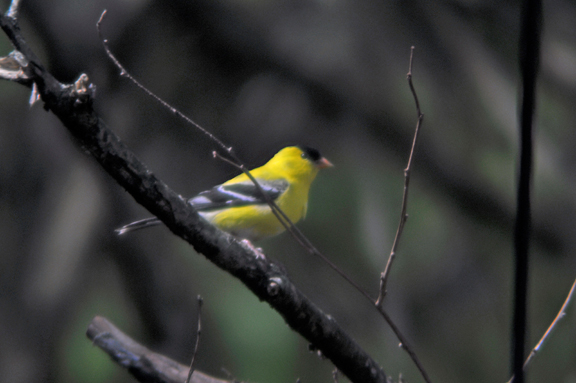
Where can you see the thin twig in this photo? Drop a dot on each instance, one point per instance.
(124, 73)
(561, 314)
(198, 333)
(404, 343)
(403, 216)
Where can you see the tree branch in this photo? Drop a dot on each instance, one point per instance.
(145, 365)
(73, 106)
(529, 48)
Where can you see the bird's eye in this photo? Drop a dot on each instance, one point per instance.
(310, 154)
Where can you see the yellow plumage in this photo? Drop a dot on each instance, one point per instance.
(238, 208)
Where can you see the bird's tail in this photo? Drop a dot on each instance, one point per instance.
(142, 224)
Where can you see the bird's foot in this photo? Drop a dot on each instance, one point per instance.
(257, 250)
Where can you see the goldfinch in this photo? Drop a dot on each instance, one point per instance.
(238, 207)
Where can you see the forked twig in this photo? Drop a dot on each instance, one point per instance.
(561, 314)
(197, 343)
(403, 215)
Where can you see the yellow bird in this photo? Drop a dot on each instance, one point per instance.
(238, 207)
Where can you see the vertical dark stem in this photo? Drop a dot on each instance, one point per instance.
(529, 49)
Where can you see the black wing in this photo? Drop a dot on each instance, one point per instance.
(239, 194)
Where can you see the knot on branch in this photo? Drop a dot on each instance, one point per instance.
(274, 286)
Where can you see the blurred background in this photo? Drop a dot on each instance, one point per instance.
(262, 75)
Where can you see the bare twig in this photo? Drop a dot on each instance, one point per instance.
(197, 343)
(561, 314)
(125, 73)
(404, 343)
(403, 215)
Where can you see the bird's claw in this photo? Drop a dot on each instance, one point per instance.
(257, 250)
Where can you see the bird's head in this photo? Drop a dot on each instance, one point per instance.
(299, 162)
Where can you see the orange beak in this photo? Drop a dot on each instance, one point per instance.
(323, 163)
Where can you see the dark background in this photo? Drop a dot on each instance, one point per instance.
(262, 75)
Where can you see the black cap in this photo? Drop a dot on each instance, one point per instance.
(310, 153)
